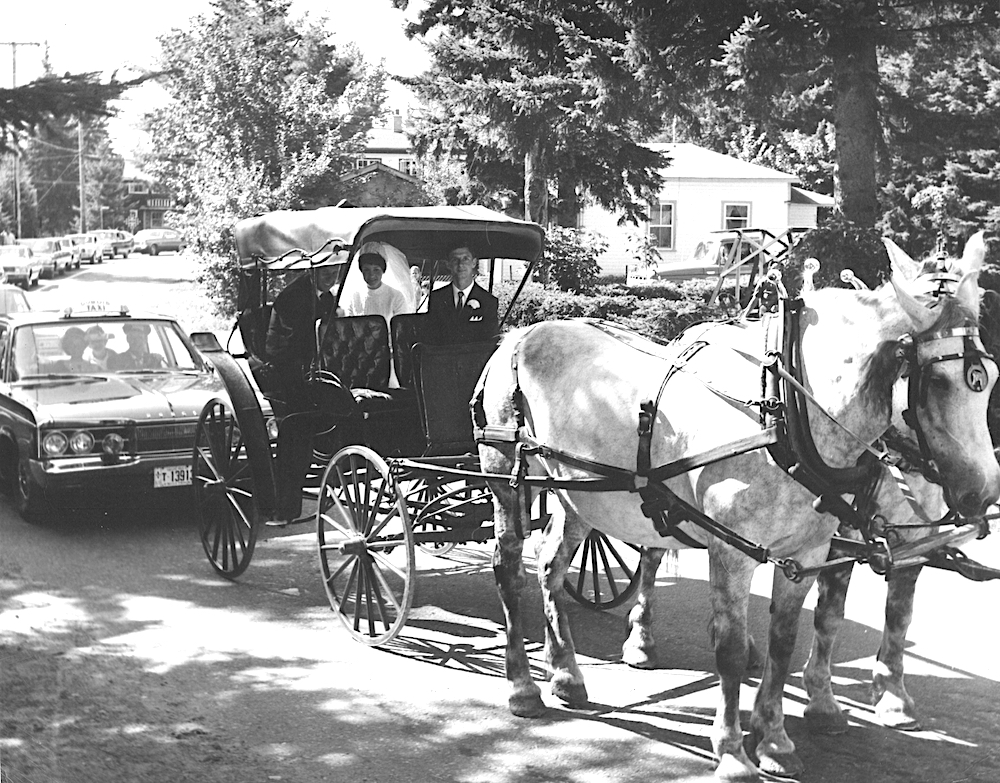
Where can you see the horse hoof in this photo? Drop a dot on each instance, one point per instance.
(900, 721)
(733, 769)
(569, 691)
(638, 658)
(530, 706)
(831, 723)
(785, 766)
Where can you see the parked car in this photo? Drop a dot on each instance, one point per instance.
(123, 243)
(53, 253)
(13, 300)
(20, 265)
(88, 248)
(155, 240)
(78, 417)
(105, 240)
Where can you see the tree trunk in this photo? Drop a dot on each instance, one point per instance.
(568, 207)
(856, 120)
(536, 191)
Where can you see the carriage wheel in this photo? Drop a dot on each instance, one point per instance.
(228, 519)
(603, 573)
(365, 541)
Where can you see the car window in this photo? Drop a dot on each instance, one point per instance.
(51, 349)
(4, 334)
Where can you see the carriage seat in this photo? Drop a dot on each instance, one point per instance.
(407, 330)
(446, 378)
(356, 349)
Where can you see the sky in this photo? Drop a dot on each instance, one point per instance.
(121, 35)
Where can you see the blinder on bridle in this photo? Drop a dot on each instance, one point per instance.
(975, 373)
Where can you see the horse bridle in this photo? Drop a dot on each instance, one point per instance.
(976, 378)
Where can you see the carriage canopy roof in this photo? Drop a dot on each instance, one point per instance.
(332, 235)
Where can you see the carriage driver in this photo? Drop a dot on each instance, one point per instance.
(463, 312)
(290, 347)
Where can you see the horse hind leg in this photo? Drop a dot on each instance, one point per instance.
(639, 648)
(563, 534)
(894, 707)
(823, 714)
(508, 568)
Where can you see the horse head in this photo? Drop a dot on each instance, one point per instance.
(950, 376)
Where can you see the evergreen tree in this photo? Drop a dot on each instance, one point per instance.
(537, 102)
(793, 66)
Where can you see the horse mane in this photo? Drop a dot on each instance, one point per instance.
(883, 368)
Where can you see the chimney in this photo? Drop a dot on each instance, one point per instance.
(397, 123)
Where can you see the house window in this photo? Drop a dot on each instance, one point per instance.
(735, 216)
(362, 162)
(408, 166)
(661, 224)
(138, 187)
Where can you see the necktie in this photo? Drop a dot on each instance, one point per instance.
(460, 301)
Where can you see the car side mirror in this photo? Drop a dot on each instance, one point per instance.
(206, 342)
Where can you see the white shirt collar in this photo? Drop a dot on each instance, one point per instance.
(464, 291)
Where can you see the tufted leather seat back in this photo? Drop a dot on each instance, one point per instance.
(407, 331)
(356, 350)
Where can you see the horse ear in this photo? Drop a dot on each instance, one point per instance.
(901, 263)
(922, 317)
(974, 255)
(968, 292)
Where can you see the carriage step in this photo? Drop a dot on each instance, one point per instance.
(954, 560)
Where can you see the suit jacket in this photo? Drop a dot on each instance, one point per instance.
(476, 322)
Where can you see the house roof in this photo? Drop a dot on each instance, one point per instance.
(378, 167)
(803, 196)
(385, 139)
(689, 161)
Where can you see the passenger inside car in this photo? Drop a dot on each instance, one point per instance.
(138, 355)
(74, 342)
(97, 347)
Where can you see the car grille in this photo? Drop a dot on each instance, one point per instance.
(165, 437)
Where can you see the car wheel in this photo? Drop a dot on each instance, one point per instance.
(154, 250)
(28, 495)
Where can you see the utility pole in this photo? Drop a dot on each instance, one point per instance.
(79, 148)
(17, 168)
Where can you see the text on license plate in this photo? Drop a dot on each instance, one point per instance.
(178, 476)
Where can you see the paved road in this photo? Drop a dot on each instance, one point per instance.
(125, 658)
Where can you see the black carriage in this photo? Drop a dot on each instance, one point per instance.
(395, 467)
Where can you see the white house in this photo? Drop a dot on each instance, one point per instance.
(388, 144)
(705, 191)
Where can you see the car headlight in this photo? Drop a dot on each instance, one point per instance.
(54, 444)
(113, 444)
(81, 442)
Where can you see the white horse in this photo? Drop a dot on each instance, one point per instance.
(577, 389)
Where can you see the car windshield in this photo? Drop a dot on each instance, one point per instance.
(11, 250)
(99, 346)
(44, 246)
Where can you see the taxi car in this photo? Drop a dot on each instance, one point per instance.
(20, 265)
(95, 403)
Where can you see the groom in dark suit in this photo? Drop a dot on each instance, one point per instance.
(463, 312)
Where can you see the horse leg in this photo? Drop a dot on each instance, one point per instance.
(563, 534)
(508, 568)
(730, 573)
(893, 706)
(639, 649)
(823, 714)
(775, 750)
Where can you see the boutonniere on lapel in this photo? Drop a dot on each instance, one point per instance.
(473, 305)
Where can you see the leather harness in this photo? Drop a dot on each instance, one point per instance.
(785, 433)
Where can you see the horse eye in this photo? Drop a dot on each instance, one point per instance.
(939, 382)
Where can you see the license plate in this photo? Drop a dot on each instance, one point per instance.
(179, 476)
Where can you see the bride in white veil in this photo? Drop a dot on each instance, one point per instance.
(397, 274)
